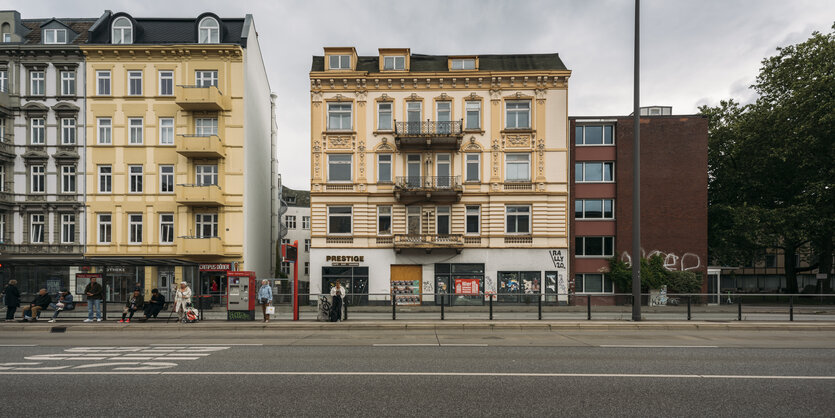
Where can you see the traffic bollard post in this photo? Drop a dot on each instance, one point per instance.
(491, 307)
(688, 307)
(791, 308)
(739, 308)
(393, 307)
(588, 307)
(539, 298)
(442, 308)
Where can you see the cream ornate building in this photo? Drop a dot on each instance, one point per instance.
(439, 173)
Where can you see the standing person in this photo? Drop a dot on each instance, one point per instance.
(12, 299)
(265, 296)
(94, 295)
(41, 302)
(154, 306)
(134, 303)
(182, 299)
(338, 293)
(64, 304)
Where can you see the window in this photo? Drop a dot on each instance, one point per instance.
(122, 32)
(463, 64)
(2, 226)
(594, 246)
(105, 228)
(339, 219)
(134, 83)
(290, 221)
(384, 116)
(135, 133)
(394, 63)
(2, 129)
(166, 228)
(473, 220)
(291, 200)
(166, 131)
(135, 228)
(206, 224)
(67, 83)
(209, 31)
(473, 167)
(37, 179)
(518, 219)
(68, 179)
(206, 175)
(2, 185)
(36, 83)
(4, 81)
(518, 167)
(67, 228)
(105, 179)
(135, 174)
(36, 223)
(594, 209)
(285, 267)
(68, 131)
(518, 114)
(442, 220)
(103, 83)
(770, 261)
(205, 78)
(339, 116)
(339, 167)
(593, 283)
(285, 241)
(384, 168)
(339, 62)
(414, 114)
(38, 131)
(166, 179)
(166, 83)
(594, 135)
(54, 36)
(473, 115)
(594, 172)
(7, 37)
(306, 268)
(205, 126)
(305, 222)
(307, 245)
(105, 131)
(384, 220)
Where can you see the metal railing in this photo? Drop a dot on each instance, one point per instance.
(433, 240)
(429, 128)
(428, 182)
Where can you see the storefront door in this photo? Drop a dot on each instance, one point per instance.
(353, 279)
(164, 283)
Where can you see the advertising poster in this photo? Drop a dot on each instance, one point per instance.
(406, 292)
(466, 286)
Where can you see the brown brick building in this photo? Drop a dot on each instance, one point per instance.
(673, 194)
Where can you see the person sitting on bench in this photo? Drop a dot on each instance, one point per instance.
(41, 302)
(155, 305)
(135, 302)
(64, 304)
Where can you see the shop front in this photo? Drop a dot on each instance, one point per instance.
(212, 281)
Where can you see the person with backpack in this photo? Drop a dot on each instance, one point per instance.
(11, 296)
(64, 303)
(135, 302)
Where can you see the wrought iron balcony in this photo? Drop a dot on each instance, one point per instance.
(436, 135)
(428, 241)
(411, 189)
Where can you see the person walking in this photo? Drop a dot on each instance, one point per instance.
(337, 293)
(41, 302)
(11, 296)
(265, 297)
(134, 303)
(94, 293)
(182, 299)
(64, 303)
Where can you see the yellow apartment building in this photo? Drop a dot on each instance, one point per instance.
(434, 173)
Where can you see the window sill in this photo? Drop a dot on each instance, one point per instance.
(518, 130)
(594, 182)
(593, 256)
(594, 145)
(339, 132)
(384, 132)
(474, 131)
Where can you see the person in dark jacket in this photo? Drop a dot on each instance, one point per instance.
(94, 293)
(12, 299)
(41, 302)
(155, 305)
(135, 302)
(64, 303)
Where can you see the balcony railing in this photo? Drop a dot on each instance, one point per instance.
(201, 98)
(429, 134)
(423, 183)
(199, 195)
(428, 241)
(200, 146)
(192, 245)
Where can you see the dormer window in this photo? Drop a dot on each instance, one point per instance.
(339, 62)
(122, 31)
(54, 36)
(463, 64)
(397, 62)
(209, 31)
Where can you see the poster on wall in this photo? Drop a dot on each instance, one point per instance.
(82, 280)
(466, 286)
(406, 292)
(558, 259)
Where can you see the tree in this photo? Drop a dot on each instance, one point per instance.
(653, 276)
(772, 177)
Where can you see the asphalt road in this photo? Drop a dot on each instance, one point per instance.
(418, 373)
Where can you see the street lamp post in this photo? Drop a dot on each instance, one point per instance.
(636, 178)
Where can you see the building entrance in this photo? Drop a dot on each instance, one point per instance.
(405, 284)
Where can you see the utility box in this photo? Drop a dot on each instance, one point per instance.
(240, 295)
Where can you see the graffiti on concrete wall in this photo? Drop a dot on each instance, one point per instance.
(672, 261)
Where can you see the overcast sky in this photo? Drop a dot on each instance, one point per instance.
(693, 52)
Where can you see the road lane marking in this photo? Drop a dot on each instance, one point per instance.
(195, 345)
(657, 346)
(136, 358)
(406, 345)
(18, 345)
(434, 374)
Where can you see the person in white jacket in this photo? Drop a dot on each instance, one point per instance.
(338, 294)
(182, 298)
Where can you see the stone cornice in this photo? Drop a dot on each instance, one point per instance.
(357, 81)
(175, 52)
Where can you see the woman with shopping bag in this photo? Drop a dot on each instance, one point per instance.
(265, 296)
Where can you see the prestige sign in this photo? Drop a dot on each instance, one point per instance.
(345, 258)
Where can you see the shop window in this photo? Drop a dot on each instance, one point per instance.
(353, 279)
(463, 282)
(518, 286)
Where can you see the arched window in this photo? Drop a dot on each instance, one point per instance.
(209, 31)
(122, 31)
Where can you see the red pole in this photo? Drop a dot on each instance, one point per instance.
(296, 282)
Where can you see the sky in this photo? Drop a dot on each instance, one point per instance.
(693, 52)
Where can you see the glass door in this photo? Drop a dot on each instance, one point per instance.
(414, 114)
(413, 170)
(413, 220)
(444, 117)
(443, 171)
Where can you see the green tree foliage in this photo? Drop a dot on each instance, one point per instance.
(771, 171)
(653, 276)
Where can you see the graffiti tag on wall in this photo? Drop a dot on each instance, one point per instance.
(672, 261)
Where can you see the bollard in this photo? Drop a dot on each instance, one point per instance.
(688, 307)
(103, 309)
(200, 307)
(442, 307)
(739, 308)
(540, 307)
(588, 307)
(491, 307)
(345, 304)
(393, 307)
(791, 308)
